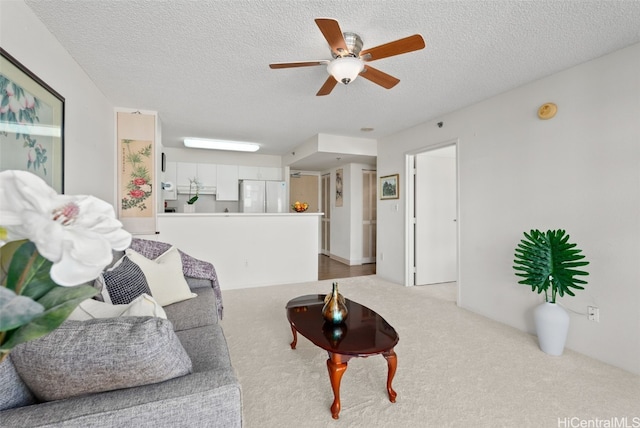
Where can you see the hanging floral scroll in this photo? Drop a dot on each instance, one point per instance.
(137, 172)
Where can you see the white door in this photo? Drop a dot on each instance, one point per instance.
(435, 210)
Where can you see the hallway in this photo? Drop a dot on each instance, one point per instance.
(331, 269)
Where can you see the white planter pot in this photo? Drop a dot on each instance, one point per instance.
(552, 325)
(189, 208)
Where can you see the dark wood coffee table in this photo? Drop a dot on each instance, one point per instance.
(363, 334)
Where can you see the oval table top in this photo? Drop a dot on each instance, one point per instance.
(363, 333)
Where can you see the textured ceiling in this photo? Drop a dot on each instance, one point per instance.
(203, 65)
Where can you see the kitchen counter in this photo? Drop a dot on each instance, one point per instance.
(238, 214)
(247, 249)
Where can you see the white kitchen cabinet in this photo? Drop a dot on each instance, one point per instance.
(271, 173)
(227, 183)
(207, 174)
(185, 171)
(170, 176)
(247, 172)
(259, 173)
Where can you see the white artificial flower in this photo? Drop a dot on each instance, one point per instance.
(76, 233)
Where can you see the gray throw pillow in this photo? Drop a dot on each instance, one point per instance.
(82, 357)
(13, 391)
(125, 282)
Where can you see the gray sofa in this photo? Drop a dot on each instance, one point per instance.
(210, 396)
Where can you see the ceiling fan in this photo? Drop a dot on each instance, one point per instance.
(349, 60)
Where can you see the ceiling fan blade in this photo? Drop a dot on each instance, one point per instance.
(332, 32)
(378, 77)
(328, 86)
(298, 64)
(408, 44)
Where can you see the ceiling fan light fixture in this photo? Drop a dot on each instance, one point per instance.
(346, 69)
(237, 146)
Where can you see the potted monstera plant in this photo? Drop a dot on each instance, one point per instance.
(549, 263)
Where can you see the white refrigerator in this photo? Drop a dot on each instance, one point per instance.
(258, 196)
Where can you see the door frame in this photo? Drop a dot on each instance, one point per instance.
(325, 219)
(372, 239)
(409, 197)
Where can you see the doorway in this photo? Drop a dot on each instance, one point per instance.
(369, 216)
(432, 215)
(304, 188)
(325, 225)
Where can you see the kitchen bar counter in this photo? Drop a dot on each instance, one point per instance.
(247, 249)
(238, 214)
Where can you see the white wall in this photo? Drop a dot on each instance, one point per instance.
(347, 145)
(175, 154)
(328, 143)
(341, 216)
(89, 120)
(346, 221)
(579, 171)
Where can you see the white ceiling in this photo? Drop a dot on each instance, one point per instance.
(203, 65)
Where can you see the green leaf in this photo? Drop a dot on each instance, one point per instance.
(35, 282)
(62, 295)
(15, 310)
(58, 303)
(548, 260)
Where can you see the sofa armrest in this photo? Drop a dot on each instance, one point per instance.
(195, 283)
(196, 312)
(191, 266)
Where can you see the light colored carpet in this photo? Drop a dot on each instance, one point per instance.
(455, 368)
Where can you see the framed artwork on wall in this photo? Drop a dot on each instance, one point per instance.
(31, 124)
(137, 171)
(339, 187)
(390, 187)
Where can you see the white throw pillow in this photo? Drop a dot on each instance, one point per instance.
(143, 306)
(164, 276)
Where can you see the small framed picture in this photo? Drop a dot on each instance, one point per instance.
(390, 187)
(339, 188)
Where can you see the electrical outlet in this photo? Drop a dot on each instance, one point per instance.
(593, 313)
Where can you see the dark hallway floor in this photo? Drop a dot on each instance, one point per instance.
(330, 269)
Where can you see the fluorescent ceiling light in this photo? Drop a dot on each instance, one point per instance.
(238, 146)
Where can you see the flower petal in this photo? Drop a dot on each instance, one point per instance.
(69, 272)
(76, 233)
